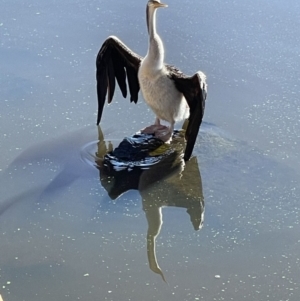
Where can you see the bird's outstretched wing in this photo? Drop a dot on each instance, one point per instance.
(114, 61)
(194, 89)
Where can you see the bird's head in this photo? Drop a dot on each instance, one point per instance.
(156, 4)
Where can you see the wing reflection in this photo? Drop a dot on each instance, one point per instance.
(169, 183)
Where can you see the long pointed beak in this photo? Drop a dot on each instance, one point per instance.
(162, 5)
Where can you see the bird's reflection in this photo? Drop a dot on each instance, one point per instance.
(170, 182)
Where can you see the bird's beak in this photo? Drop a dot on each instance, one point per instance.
(162, 5)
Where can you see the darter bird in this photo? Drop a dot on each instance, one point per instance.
(172, 95)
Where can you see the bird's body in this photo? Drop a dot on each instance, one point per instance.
(170, 94)
(158, 89)
(161, 95)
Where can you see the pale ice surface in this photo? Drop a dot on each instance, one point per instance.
(62, 237)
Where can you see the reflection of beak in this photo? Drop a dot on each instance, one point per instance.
(152, 257)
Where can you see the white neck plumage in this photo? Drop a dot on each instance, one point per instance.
(155, 53)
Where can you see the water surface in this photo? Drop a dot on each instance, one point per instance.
(67, 233)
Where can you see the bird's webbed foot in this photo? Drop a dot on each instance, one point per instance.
(161, 132)
(164, 134)
(154, 128)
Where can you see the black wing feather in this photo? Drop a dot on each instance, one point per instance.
(194, 90)
(111, 80)
(133, 83)
(120, 74)
(113, 59)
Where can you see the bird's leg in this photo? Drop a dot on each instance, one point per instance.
(165, 133)
(152, 129)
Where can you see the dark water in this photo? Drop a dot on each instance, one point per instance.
(66, 230)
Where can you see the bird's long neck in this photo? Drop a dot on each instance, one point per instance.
(155, 50)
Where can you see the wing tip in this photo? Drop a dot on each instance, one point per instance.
(188, 154)
(203, 85)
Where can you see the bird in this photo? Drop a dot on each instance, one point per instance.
(172, 95)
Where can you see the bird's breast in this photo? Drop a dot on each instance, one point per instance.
(161, 95)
